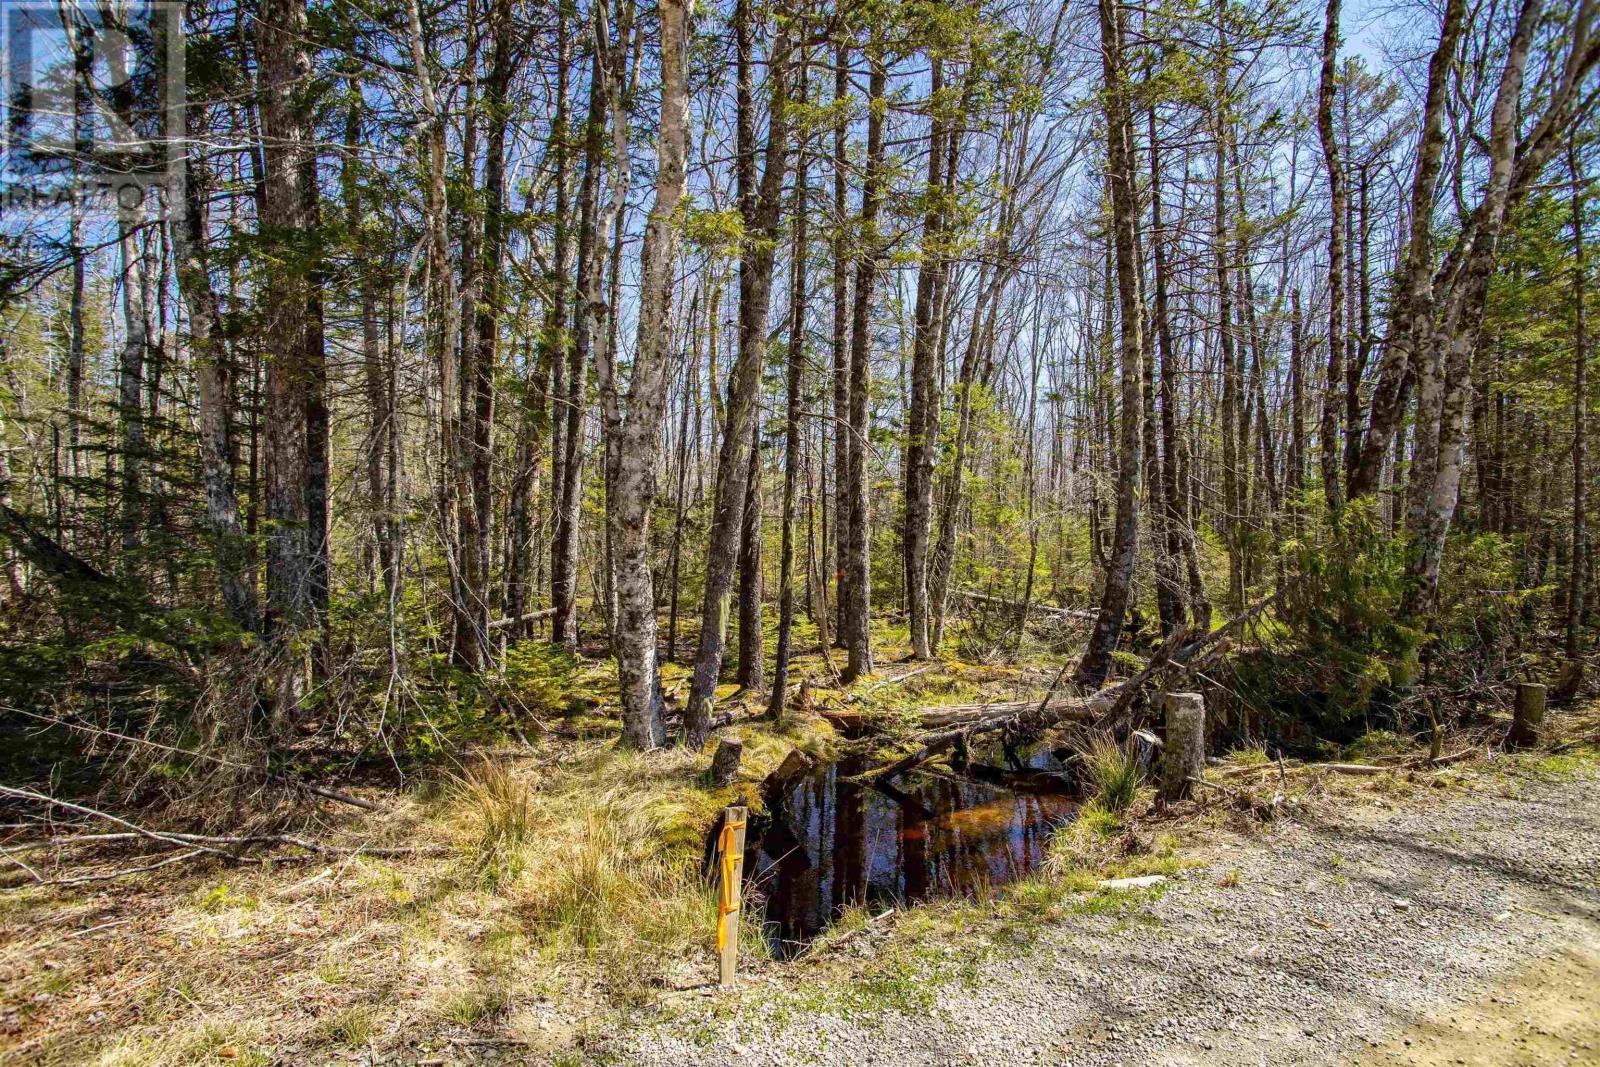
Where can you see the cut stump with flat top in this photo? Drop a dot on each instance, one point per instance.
(1185, 756)
(725, 762)
(1528, 717)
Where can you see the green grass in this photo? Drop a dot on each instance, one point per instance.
(1111, 769)
(350, 1026)
(472, 1006)
(1562, 765)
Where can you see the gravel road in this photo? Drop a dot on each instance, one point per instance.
(1457, 930)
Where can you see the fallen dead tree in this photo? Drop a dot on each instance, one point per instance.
(233, 849)
(926, 718)
(1034, 608)
(1283, 768)
(270, 775)
(1032, 719)
(532, 616)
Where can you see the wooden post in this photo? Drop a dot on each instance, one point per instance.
(1528, 716)
(725, 761)
(731, 890)
(1185, 757)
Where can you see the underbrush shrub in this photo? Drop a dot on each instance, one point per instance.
(1345, 662)
(1492, 596)
(536, 679)
(1339, 652)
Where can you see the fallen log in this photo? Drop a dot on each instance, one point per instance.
(927, 718)
(1351, 768)
(532, 616)
(1445, 761)
(1034, 608)
(1107, 703)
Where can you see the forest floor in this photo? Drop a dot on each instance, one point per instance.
(553, 913)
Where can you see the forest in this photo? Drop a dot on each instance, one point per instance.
(430, 420)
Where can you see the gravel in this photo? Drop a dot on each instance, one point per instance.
(1340, 933)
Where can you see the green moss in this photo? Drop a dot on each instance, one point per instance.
(1561, 765)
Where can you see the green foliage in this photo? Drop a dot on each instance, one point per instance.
(1338, 649)
(536, 677)
(1483, 599)
(1343, 606)
(717, 232)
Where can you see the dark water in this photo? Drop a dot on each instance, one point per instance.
(829, 842)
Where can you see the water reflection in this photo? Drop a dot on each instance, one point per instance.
(830, 842)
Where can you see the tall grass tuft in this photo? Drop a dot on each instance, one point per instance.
(1111, 770)
(501, 804)
(612, 889)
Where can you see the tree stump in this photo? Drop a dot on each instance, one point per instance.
(1528, 716)
(725, 763)
(795, 764)
(1185, 757)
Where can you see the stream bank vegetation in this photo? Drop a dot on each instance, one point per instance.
(492, 409)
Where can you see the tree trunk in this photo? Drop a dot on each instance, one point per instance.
(760, 203)
(750, 591)
(843, 500)
(214, 380)
(447, 336)
(633, 437)
(1232, 502)
(922, 426)
(1167, 498)
(478, 396)
(690, 387)
(377, 375)
(319, 440)
(286, 134)
(1117, 593)
(573, 357)
(549, 370)
(1578, 556)
(1438, 480)
(1409, 329)
(1329, 435)
(944, 550)
(134, 281)
(856, 536)
(792, 443)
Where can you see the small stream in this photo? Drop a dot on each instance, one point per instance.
(828, 842)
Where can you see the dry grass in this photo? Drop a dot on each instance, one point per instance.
(489, 789)
(567, 887)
